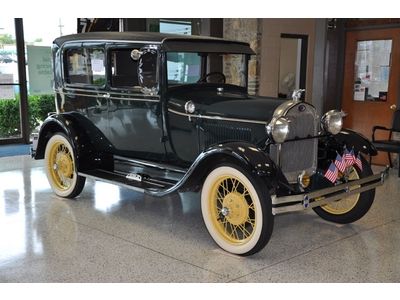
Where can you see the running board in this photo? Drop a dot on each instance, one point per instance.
(137, 182)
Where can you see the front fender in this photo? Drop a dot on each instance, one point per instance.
(245, 154)
(352, 139)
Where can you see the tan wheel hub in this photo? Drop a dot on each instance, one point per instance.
(235, 208)
(64, 165)
(232, 209)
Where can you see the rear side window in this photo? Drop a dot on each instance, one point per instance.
(85, 66)
(124, 73)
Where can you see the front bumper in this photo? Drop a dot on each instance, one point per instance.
(324, 196)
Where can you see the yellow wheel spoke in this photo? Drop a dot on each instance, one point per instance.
(235, 185)
(251, 206)
(225, 187)
(244, 230)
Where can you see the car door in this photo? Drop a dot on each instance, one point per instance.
(84, 83)
(134, 114)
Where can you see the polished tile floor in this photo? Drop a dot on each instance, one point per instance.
(110, 234)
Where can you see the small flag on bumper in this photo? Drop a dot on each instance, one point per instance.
(340, 163)
(332, 173)
(349, 157)
(359, 162)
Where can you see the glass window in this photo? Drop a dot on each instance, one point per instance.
(124, 71)
(183, 67)
(371, 70)
(176, 27)
(10, 126)
(85, 66)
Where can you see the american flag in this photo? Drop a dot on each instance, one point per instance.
(358, 161)
(340, 163)
(349, 157)
(332, 173)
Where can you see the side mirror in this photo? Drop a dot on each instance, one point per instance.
(148, 71)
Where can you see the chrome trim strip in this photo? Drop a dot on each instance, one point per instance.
(152, 165)
(216, 117)
(67, 89)
(100, 95)
(111, 182)
(304, 201)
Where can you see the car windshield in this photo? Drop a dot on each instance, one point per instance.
(189, 68)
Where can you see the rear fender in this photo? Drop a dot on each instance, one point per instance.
(89, 145)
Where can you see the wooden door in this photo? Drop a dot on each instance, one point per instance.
(371, 81)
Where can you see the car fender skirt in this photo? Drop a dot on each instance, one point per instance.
(352, 139)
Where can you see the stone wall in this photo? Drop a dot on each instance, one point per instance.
(246, 30)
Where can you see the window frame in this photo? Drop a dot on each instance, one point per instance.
(64, 64)
(120, 46)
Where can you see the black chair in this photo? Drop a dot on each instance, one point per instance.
(389, 145)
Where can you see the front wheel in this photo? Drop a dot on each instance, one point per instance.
(236, 210)
(61, 167)
(351, 208)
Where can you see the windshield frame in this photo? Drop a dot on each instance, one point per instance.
(203, 69)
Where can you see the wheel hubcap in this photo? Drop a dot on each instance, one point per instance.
(237, 208)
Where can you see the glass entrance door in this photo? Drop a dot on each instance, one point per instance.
(10, 120)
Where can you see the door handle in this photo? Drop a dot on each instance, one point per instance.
(393, 107)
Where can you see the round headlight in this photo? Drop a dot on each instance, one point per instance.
(278, 129)
(332, 121)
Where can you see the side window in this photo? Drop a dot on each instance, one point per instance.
(85, 66)
(124, 71)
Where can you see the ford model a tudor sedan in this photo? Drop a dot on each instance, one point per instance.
(165, 113)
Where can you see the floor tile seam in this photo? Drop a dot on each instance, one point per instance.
(146, 247)
(315, 249)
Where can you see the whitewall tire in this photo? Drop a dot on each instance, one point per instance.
(236, 210)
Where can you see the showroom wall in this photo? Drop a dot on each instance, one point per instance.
(271, 30)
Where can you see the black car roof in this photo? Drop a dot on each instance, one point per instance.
(169, 42)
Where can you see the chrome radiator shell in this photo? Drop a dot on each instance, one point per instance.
(295, 156)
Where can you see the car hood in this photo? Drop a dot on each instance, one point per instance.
(232, 103)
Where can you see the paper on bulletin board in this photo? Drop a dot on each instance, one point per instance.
(39, 70)
(359, 92)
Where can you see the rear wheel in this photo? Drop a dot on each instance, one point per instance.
(236, 209)
(351, 208)
(61, 167)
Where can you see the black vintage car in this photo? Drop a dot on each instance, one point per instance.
(163, 113)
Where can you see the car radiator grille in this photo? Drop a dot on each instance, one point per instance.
(296, 156)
